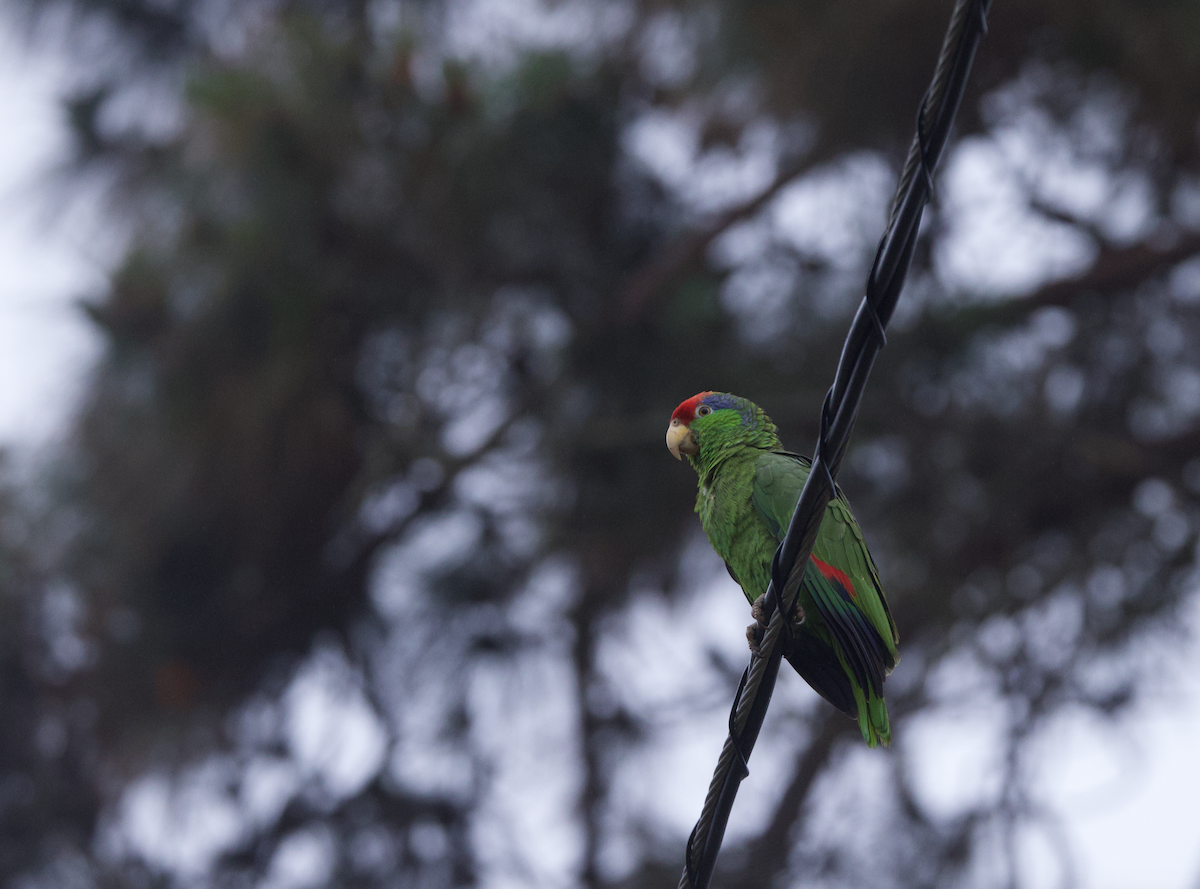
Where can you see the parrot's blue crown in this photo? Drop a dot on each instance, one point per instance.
(724, 401)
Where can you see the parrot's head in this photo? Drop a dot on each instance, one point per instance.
(719, 419)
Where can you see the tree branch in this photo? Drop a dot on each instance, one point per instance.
(655, 276)
(1115, 268)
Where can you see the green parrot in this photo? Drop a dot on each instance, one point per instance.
(844, 639)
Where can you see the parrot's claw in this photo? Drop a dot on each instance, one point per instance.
(752, 639)
(752, 631)
(798, 618)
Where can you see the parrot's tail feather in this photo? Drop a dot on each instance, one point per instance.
(873, 718)
(879, 720)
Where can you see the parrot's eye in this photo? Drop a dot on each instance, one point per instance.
(703, 411)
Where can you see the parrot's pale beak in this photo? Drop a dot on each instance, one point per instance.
(680, 440)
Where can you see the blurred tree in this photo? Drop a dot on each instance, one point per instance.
(365, 562)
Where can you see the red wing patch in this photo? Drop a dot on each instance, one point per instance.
(836, 575)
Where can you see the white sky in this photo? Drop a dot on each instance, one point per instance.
(45, 343)
(1130, 827)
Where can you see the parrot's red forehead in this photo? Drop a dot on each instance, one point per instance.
(686, 412)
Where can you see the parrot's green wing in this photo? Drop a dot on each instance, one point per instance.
(841, 582)
(840, 543)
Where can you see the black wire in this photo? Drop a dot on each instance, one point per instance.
(867, 335)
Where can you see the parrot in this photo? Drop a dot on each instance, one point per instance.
(844, 640)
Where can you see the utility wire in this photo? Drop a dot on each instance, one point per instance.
(939, 106)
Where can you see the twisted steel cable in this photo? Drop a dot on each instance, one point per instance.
(939, 106)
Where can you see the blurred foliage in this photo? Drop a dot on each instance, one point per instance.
(389, 353)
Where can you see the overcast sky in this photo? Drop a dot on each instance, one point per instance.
(45, 264)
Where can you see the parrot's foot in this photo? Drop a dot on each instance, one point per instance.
(798, 618)
(752, 640)
(752, 631)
